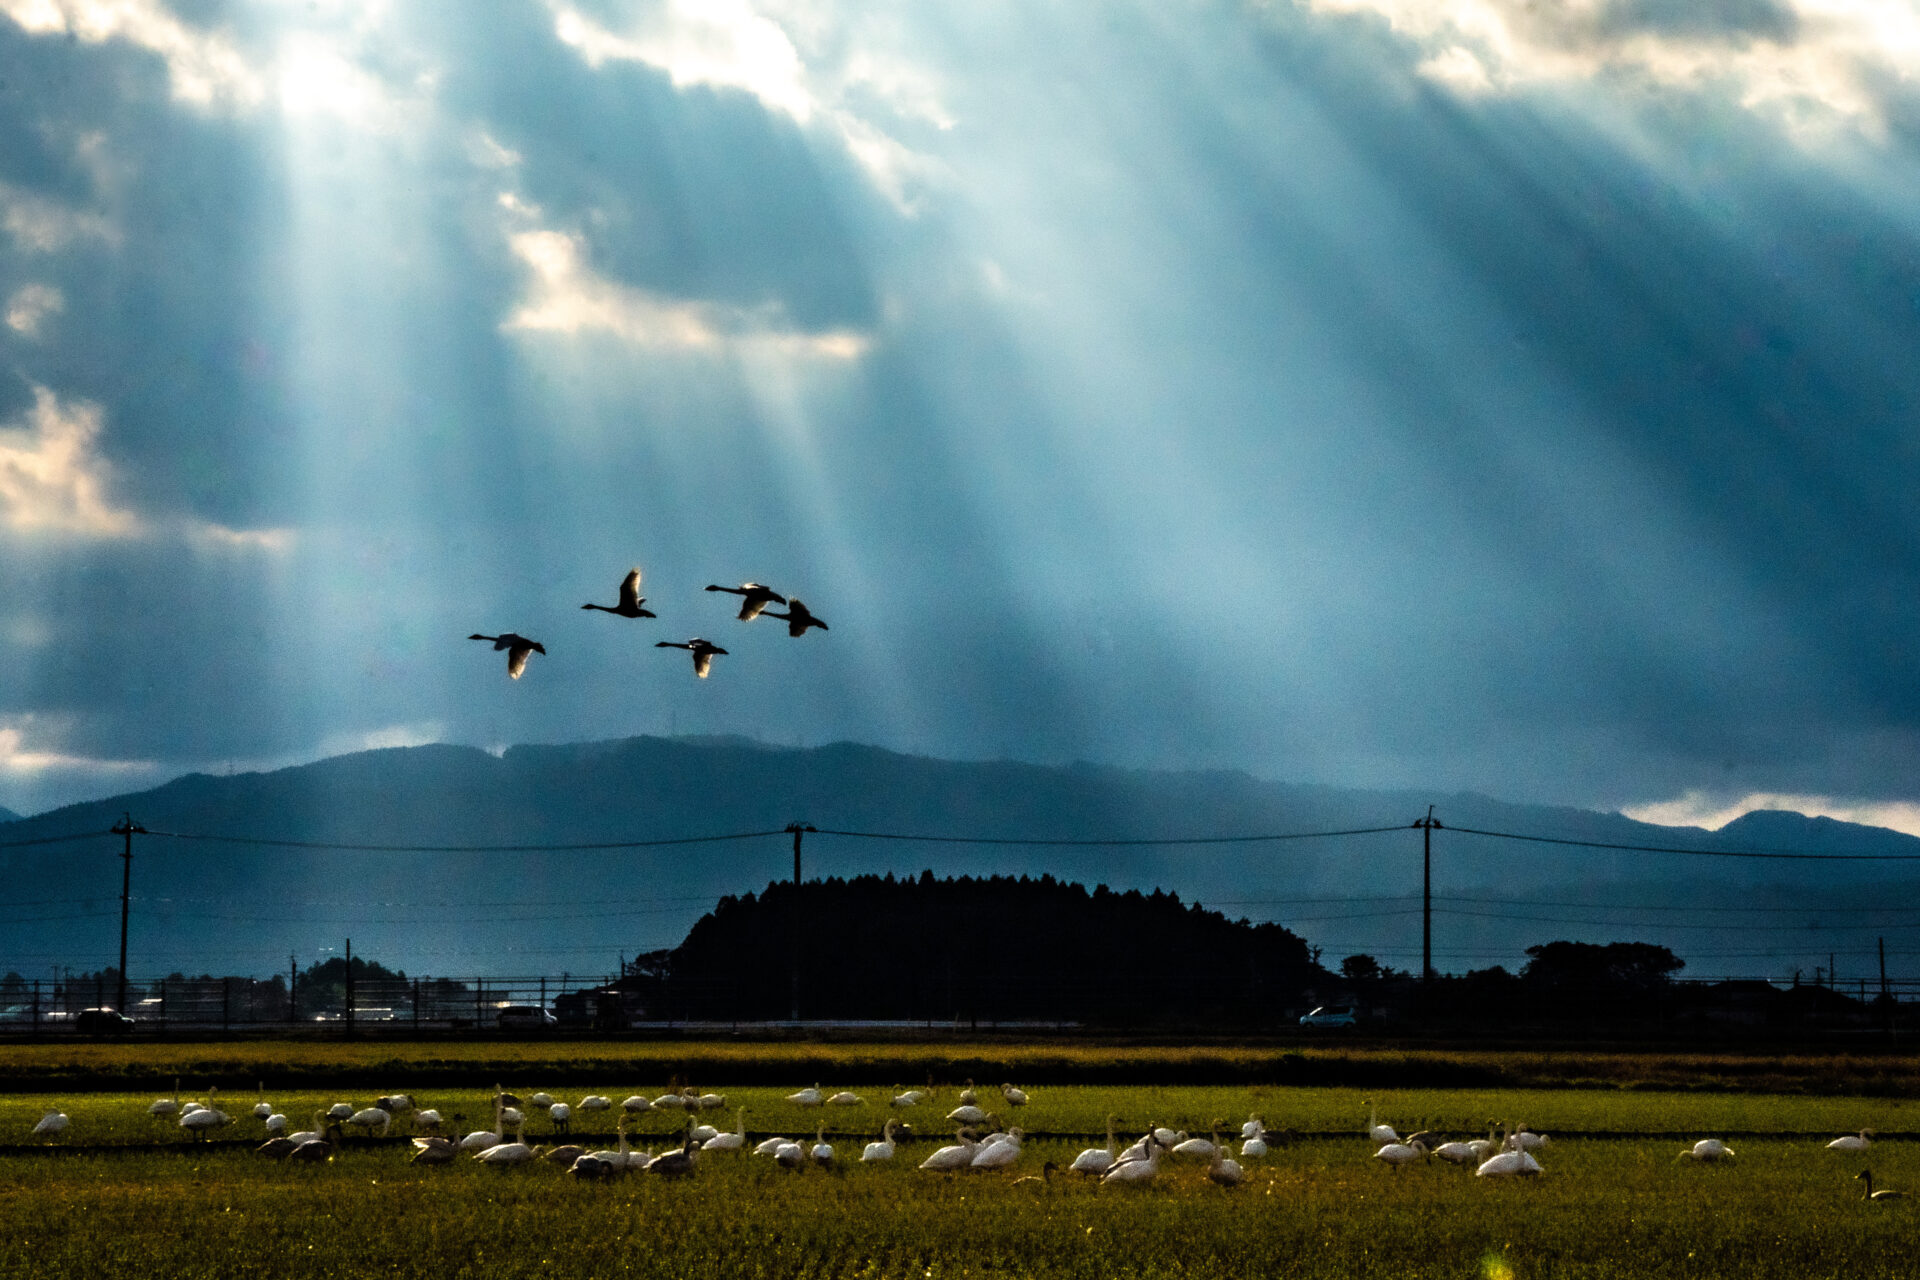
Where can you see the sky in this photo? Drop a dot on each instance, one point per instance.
(1466, 394)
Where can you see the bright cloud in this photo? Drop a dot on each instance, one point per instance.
(1698, 809)
(569, 297)
(51, 478)
(54, 481)
(31, 305)
(17, 757)
(1807, 58)
(41, 225)
(202, 66)
(729, 44)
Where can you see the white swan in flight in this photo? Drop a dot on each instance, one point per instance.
(517, 647)
(753, 598)
(630, 599)
(702, 651)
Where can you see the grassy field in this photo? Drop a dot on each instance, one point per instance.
(121, 1190)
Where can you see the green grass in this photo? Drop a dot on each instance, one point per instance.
(1606, 1209)
(122, 1191)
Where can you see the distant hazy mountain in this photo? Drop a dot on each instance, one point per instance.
(205, 906)
(8, 815)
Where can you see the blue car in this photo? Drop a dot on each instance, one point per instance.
(1329, 1016)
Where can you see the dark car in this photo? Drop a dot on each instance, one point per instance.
(102, 1022)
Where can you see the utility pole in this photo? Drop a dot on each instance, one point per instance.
(293, 988)
(1426, 825)
(1883, 969)
(349, 988)
(127, 827)
(793, 921)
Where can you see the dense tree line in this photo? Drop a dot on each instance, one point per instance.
(994, 948)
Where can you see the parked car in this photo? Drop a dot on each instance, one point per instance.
(524, 1017)
(1328, 1016)
(102, 1022)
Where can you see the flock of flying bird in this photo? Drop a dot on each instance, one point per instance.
(1504, 1156)
(754, 600)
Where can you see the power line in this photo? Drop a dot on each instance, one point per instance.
(1786, 854)
(461, 848)
(1115, 843)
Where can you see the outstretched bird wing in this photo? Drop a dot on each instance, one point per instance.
(702, 662)
(630, 589)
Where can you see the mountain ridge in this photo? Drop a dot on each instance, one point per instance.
(572, 908)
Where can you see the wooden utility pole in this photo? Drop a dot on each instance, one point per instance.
(126, 828)
(349, 987)
(793, 919)
(1426, 825)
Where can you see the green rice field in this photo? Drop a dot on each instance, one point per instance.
(123, 1191)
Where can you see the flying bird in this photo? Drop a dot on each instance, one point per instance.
(753, 598)
(517, 647)
(798, 618)
(702, 650)
(630, 599)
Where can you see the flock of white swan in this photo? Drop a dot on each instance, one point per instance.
(1503, 1153)
(754, 599)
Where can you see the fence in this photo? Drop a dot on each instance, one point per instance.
(583, 1002)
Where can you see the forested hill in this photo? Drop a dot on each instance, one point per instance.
(962, 947)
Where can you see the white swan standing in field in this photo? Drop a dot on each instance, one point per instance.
(955, 1157)
(342, 1111)
(167, 1106)
(790, 1155)
(883, 1149)
(1199, 1147)
(1015, 1097)
(310, 1135)
(540, 1100)
(713, 1101)
(1525, 1139)
(1377, 1131)
(1097, 1160)
(52, 1124)
(769, 1146)
(822, 1152)
(428, 1120)
(1400, 1154)
(1462, 1152)
(208, 1117)
(846, 1098)
(276, 1124)
(262, 1109)
(1254, 1146)
(911, 1098)
(1136, 1172)
(480, 1139)
(562, 1117)
(616, 1159)
(967, 1114)
(1509, 1164)
(1000, 1151)
(1708, 1149)
(1254, 1126)
(735, 1141)
(370, 1118)
(669, 1102)
(509, 1154)
(596, 1102)
(1852, 1142)
(806, 1097)
(636, 1104)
